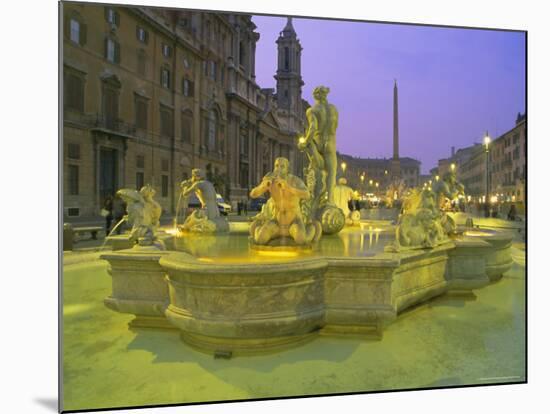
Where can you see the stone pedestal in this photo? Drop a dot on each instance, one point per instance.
(358, 295)
(466, 269)
(122, 241)
(420, 276)
(138, 285)
(499, 258)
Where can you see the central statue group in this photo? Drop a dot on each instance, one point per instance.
(295, 210)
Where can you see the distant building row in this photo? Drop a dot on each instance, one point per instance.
(506, 162)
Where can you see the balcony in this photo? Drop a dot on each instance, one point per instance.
(98, 121)
(114, 125)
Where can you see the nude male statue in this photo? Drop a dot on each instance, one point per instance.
(205, 191)
(322, 120)
(285, 215)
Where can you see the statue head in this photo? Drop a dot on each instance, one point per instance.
(320, 93)
(147, 191)
(281, 167)
(342, 181)
(196, 174)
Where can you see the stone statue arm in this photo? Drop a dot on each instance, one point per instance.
(188, 189)
(262, 188)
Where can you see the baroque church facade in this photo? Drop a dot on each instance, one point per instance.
(149, 94)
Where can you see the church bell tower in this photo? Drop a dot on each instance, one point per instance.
(289, 78)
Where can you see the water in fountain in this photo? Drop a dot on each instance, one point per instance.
(116, 226)
(176, 221)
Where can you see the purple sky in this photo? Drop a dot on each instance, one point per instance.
(454, 84)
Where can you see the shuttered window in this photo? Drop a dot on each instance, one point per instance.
(74, 92)
(166, 122)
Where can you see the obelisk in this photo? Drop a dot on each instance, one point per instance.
(395, 164)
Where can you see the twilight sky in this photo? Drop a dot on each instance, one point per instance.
(454, 84)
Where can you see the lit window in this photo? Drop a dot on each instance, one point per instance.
(110, 50)
(75, 31)
(111, 16)
(165, 78)
(141, 34)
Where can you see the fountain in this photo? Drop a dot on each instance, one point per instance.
(296, 272)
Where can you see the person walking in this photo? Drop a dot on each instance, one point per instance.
(107, 212)
(512, 213)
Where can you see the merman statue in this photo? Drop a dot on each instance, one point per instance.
(143, 214)
(282, 215)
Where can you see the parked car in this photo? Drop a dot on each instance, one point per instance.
(194, 203)
(256, 204)
(224, 208)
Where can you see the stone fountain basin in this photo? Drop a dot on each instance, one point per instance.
(244, 305)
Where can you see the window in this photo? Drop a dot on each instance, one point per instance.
(112, 50)
(166, 122)
(166, 50)
(141, 62)
(244, 145)
(165, 78)
(142, 35)
(140, 161)
(187, 127)
(164, 164)
(73, 151)
(213, 70)
(212, 126)
(164, 183)
(72, 179)
(141, 113)
(110, 106)
(241, 54)
(140, 180)
(287, 58)
(112, 16)
(75, 31)
(74, 92)
(188, 88)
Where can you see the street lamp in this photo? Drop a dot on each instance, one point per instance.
(486, 142)
(343, 165)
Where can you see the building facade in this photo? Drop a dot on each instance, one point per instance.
(149, 94)
(505, 160)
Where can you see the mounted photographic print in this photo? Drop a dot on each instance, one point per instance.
(259, 207)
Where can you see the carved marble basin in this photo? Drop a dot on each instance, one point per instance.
(224, 297)
(243, 306)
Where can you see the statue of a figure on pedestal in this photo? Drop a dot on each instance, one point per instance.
(209, 218)
(343, 194)
(281, 216)
(143, 214)
(319, 144)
